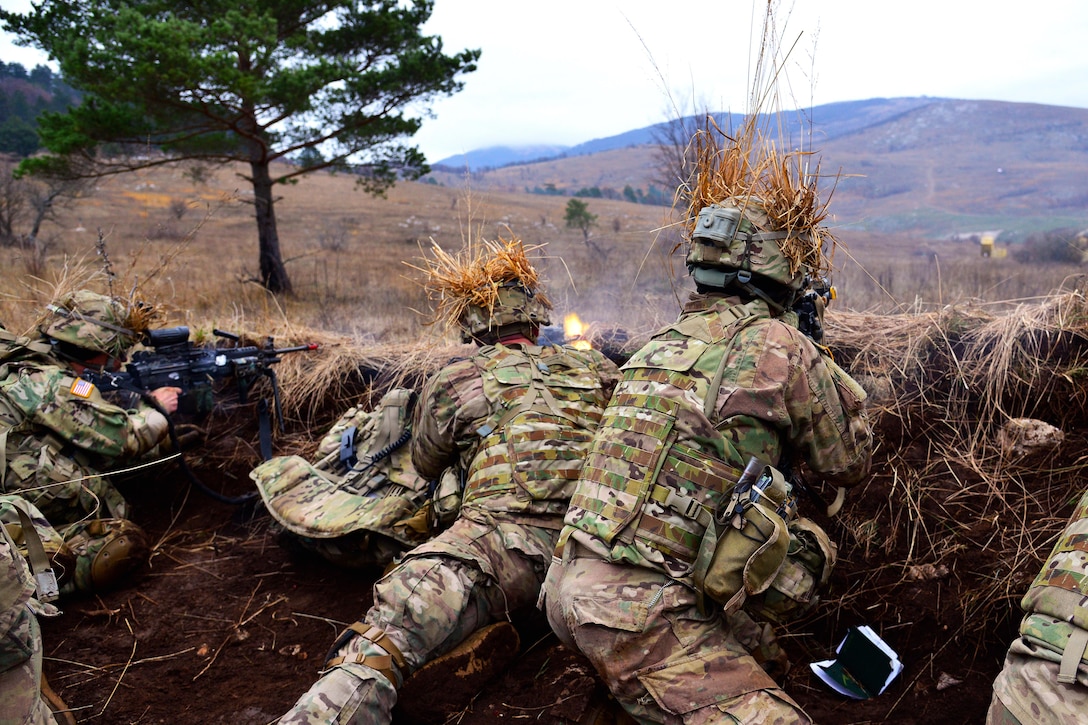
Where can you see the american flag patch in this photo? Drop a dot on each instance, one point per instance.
(82, 388)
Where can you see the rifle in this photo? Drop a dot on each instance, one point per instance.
(817, 293)
(174, 361)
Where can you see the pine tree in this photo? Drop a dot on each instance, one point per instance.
(256, 82)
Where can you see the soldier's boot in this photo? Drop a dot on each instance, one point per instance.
(103, 552)
(61, 712)
(358, 684)
(448, 684)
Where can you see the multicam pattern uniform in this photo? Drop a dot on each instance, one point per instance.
(57, 433)
(519, 419)
(662, 460)
(20, 640)
(365, 517)
(1028, 690)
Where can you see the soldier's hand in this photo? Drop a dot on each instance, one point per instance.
(167, 398)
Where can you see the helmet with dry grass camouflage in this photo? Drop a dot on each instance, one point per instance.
(732, 245)
(515, 309)
(91, 321)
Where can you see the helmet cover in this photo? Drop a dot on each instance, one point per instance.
(735, 235)
(91, 321)
(513, 305)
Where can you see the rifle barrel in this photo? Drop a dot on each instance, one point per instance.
(296, 348)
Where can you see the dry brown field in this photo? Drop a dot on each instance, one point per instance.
(346, 252)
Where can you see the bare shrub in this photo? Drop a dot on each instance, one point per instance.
(178, 208)
(334, 234)
(34, 251)
(1056, 245)
(13, 202)
(165, 231)
(199, 174)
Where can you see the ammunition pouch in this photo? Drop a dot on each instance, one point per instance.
(745, 557)
(805, 571)
(446, 500)
(1060, 642)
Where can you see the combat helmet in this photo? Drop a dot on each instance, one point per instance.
(85, 320)
(755, 221)
(488, 291)
(515, 308)
(733, 246)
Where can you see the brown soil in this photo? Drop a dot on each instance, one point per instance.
(226, 626)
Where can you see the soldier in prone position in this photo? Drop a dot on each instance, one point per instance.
(518, 419)
(58, 434)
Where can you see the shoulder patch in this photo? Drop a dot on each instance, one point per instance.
(82, 388)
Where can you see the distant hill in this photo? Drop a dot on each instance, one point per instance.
(935, 165)
(828, 121)
(24, 95)
(495, 156)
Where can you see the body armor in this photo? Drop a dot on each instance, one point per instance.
(1057, 618)
(547, 403)
(660, 419)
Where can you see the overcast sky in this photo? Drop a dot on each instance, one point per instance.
(569, 71)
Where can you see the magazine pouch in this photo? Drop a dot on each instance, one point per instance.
(752, 537)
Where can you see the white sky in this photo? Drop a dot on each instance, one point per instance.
(569, 71)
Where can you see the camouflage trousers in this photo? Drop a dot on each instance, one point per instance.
(20, 683)
(1027, 691)
(663, 660)
(471, 575)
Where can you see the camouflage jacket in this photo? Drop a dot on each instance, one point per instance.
(16, 582)
(1057, 618)
(59, 433)
(518, 419)
(724, 383)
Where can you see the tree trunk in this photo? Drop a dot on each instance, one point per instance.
(273, 273)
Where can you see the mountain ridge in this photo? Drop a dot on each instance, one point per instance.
(935, 165)
(838, 124)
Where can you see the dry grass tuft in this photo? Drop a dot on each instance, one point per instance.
(473, 277)
(748, 168)
(947, 496)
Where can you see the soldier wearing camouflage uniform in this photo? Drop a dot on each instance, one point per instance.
(20, 635)
(733, 378)
(1045, 677)
(518, 418)
(57, 433)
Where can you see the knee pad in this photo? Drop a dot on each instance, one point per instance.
(105, 552)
